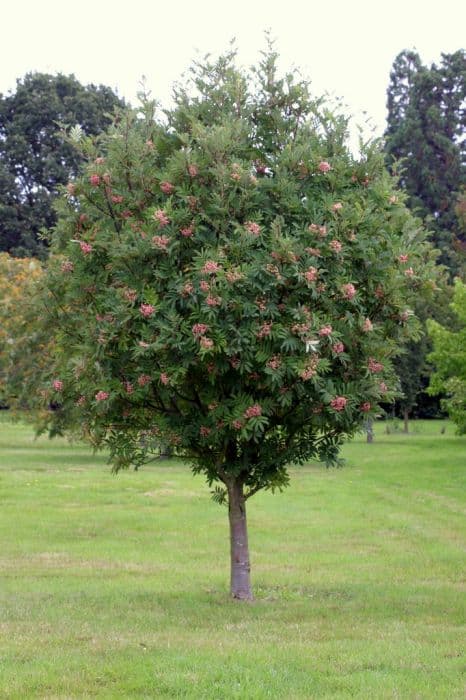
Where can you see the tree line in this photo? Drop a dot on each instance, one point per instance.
(425, 147)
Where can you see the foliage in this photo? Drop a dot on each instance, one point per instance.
(426, 122)
(23, 337)
(211, 269)
(34, 160)
(412, 366)
(424, 145)
(449, 359)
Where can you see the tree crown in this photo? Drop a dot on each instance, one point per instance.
(227, 277)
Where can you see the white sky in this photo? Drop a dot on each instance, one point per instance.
(346, 47)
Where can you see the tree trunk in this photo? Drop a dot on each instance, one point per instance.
(369, 431)
(406, 420)
(240, 581)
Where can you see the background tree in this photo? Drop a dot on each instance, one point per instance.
(424, 145)
(230, 280)
(412, 366)
(425, 130)
(449, 359)
(34, 160)
(23, 337)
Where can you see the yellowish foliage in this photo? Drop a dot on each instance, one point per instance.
(19, 322)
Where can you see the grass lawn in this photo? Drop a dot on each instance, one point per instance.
(116, 586)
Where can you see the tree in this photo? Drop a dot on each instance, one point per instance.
(425, 129)
(227, 278)
(424, 145)
(449, 359)
(22, 335)
(34, 160)
(411, 366)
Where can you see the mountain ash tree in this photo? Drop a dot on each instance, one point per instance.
(227, 278)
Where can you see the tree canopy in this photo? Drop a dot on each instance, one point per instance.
(22, 335)
(34, 159)
(425, 131)
(424, 145)
(449, 360)
(228, 278)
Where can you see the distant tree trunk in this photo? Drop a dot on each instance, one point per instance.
(369, 431)
(166, 451)
(406, 420)
(240, 582)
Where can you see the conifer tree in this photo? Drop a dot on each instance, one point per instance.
(424, 144)
(425, 130)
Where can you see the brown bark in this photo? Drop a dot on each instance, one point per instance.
(240, 581)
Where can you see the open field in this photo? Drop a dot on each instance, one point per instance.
(116, 586)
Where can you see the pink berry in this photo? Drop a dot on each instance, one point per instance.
(199, 329)
(211, 267)
(144, 379)
(374, 366)
(253, 411)
(147, 310)
(167, 187)
(253, 228)
(311, 274)
(324, 167)
(161, 217)
(349, 291)
(86, 248)
(338, 403)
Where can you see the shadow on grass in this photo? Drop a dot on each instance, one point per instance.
(368, 602)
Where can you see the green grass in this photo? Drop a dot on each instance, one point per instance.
(117, 586)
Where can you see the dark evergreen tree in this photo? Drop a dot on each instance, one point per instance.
(424, 147)
(34, 159)
(426, 121)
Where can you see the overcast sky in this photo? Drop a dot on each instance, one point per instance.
(346, 47)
